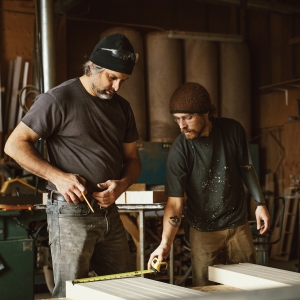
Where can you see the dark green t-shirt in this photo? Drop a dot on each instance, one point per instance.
(84, 134)
(208, 170)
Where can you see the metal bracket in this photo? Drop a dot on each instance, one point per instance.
(286, 91)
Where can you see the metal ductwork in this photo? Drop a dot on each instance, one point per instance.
(47, 43)
(271, 7)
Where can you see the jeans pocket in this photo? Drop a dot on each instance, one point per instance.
(66, 209)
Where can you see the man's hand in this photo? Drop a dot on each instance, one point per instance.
(262, 214)
(113, 189)
(71, 186)
(162, 252)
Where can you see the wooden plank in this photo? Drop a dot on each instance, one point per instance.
(121, 199)
(1, 119)
(133, 187)
(282, 293)
(128, 288)
(252, 277)
(55, 298)
(14, 94)
(292, 150)
(8, 94)
(23, 98)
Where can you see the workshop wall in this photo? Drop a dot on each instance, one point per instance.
(273, 39)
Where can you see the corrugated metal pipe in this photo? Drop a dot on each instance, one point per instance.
(272, 7)
(48, 45)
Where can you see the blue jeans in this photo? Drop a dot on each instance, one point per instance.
(80, 239)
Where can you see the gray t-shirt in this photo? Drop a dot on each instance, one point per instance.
(208, 170)
(84, 134)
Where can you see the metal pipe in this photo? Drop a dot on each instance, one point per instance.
(47, 38)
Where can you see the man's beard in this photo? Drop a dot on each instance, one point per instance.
(196, 134)
(184, 131)
(102, 93)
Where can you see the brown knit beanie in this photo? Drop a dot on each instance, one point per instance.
(190, 97)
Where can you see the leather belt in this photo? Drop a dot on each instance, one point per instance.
(59, 197)
(56, 196)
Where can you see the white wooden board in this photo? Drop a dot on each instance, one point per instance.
(252, 277)
(128, 289)
(121, 199)
(145, 197)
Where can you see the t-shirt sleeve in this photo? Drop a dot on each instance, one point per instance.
(131, 134)
(176, 172)
(44, 116)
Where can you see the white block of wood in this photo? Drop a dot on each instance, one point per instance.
(145, 197)
(248, 276)
(121, 199)
(45, 198)
(128, 289)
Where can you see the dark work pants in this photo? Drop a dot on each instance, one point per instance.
(235, 244)
(80, 239)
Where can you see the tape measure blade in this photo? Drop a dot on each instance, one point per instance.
(112, 276)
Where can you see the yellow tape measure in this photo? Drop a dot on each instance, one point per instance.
(157, 266)
(112, 276)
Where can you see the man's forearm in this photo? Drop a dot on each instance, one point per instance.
(131, 172)
(251, 181)
(28, 157)
(20, 147)
(172, 220)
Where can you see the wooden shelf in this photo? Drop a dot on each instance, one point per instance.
(285, 85)
(281, 86)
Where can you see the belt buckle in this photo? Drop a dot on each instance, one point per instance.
(93, 202)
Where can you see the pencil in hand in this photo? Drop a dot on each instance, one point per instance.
(86, 200)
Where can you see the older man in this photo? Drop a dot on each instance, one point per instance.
(91, 136)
